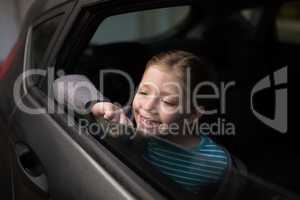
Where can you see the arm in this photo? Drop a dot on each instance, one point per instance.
(78, 93)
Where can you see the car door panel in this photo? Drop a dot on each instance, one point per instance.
(71, 172)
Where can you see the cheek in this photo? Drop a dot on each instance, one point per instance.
(170, 113)
(171, 118)
(136, 104)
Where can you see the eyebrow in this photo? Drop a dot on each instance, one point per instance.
(163, 93)
(144, 86)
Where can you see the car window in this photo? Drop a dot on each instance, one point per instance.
(132, 25)
(41, 38)
(115, 53)
(288, 23)
(115, 65)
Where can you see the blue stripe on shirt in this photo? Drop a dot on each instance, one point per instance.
(204, 165)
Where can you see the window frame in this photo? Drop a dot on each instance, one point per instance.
(85, 141)
(92, 16)
(86, 25)
(37, 26)
(62, 13)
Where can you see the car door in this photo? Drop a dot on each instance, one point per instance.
(48, 162)
(52, 159)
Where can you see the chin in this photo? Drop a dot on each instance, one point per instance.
(147, 131)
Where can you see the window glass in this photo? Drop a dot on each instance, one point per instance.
(134, 26)
(288, 23)
(41, 37)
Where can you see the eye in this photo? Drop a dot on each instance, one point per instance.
(169, 103)
(142, 92)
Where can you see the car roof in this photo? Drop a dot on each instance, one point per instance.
(43, 6)
(39, 7)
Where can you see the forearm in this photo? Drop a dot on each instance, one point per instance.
(77, 92)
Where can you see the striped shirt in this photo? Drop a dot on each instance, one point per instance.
(202, 165)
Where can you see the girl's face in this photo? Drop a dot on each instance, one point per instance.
(158, 103)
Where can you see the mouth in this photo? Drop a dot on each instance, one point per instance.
(147, 123)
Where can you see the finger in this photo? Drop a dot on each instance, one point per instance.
(116, 117)
(123, 119)
(98, 109)
(109, 115)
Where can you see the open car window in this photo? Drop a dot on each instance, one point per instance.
(116, 49)
(133, 28)
(118, 62)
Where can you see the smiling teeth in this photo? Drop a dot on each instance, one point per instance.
(149, 122)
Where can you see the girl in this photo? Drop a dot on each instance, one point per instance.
(165, 107)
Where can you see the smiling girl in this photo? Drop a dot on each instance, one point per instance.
(163, 108)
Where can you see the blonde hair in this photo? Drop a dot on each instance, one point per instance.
(183, 62)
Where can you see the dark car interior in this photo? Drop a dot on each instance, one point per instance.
(240, 49)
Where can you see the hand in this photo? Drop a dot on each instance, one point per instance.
(111, 112)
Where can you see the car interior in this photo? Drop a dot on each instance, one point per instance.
(242, 48)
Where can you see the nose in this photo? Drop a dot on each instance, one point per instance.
(150, 104)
